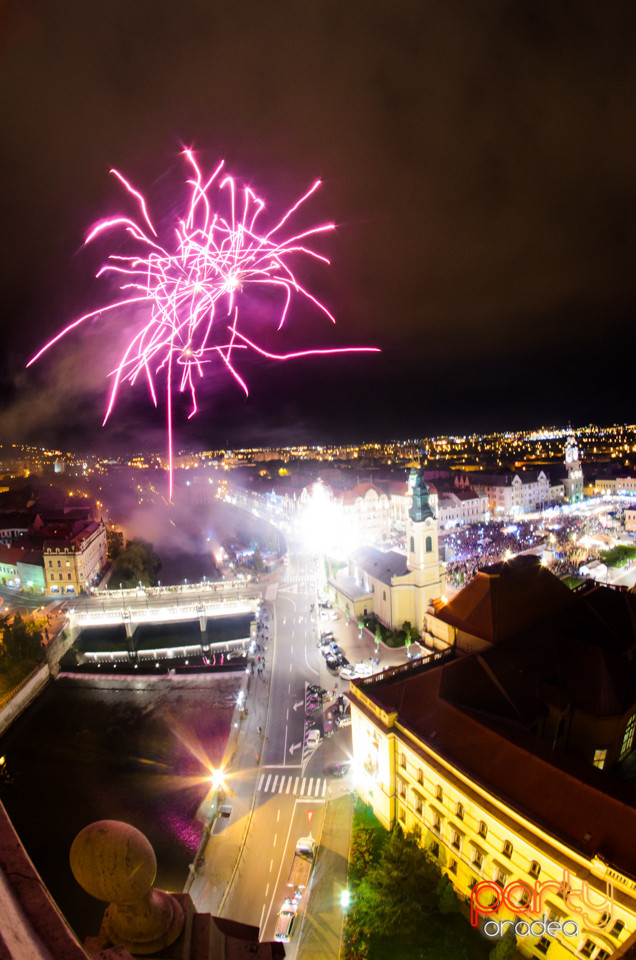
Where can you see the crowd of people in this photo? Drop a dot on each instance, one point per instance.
(468, 549)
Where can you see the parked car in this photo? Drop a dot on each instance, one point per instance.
(332, 663)
(344, 720)
(339, 769)
(285, 922)
(347, 673)
(315, 690)
(327, 728)
(313, 738)
(363, 669)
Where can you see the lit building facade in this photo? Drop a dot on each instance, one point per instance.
(72, 563)
(490, 810)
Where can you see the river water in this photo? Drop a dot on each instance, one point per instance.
(93, 748)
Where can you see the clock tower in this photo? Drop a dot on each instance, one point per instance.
(574, 479)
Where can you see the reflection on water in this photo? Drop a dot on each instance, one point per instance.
(81, 753)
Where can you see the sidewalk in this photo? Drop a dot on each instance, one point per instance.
(321, 931)
(242, 760)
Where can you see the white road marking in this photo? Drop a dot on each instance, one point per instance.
(266, 788)
(271, 865)
(289, 785)
(278, 814)
(275, 839)
(282, 784)
(260, 922)
(266, 892)
(274, 784)
(260, 782)
(311, 783)
(296, 785)
(324, 789)
(302, 787)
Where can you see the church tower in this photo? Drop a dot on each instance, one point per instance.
(574, 478)
(422, 534)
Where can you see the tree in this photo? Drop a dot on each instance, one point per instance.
(447, 900)
(506, 948)
(400, 892)
(362, 853)
(137, 563)
(22, 640)
(258, 564)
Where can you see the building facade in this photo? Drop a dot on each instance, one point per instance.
(489, 811)
(72, 563)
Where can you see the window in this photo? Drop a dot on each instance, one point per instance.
(535, 868)
(602, 955)
(456, 839)
(418, 804)
(384, 594)
(599, 758)
(402, 788)
(69, 576)
(52, 576)
(412, 544)
(417, 831)
(434, 849)
(436, 823)
(401, 814)
(483, 829)
(459, 812)
(429, 544)
(605, 919)
(617, 929)
(439, 794)
(453, 866)
(420, 775)
(501, 877)
(507, 849)
(50, 563)
(543, 944)
(587, 949)
(628, 739)
(478, 859)
(403, 761)
(59, 563)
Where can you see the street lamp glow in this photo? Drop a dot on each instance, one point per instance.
(216, 779)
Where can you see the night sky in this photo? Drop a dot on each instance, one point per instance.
(478, 158)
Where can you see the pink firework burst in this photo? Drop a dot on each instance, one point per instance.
(191, 283)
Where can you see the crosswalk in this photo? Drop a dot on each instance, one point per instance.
(294, 786)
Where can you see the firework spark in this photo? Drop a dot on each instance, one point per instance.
(192, 284)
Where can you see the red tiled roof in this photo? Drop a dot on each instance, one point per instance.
(586, 817)
(505, 598)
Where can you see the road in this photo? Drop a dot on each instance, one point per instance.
(292, 785)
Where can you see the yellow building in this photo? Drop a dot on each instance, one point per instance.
(394, 586)
(492, 808)
(73, 560)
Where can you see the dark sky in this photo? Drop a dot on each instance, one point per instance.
(478, 158)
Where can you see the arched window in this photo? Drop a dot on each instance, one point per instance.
(429, 544)
(412, 544)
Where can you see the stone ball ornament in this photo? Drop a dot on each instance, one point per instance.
(115, 862)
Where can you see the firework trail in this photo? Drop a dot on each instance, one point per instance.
(191, 283)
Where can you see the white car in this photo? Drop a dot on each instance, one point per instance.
(313, 739)
(363, 670)
(348, 673)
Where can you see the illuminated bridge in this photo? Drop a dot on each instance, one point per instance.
(132, 608)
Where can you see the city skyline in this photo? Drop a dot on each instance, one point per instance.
(476, 163)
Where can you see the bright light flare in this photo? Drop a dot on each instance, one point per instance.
(217, 779)
(191, 279)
